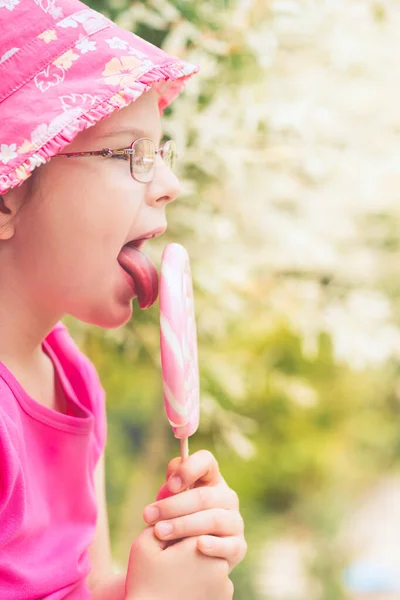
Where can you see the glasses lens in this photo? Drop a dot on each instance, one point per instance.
(169, 154)
(143, 160)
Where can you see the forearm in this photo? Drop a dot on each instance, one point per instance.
(111, 589)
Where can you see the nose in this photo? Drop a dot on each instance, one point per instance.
(164, 188)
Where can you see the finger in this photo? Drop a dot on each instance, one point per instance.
(233, 548)
(190, 501)
(190, 545)
(173, 465)
(200, 468)
(216, 521)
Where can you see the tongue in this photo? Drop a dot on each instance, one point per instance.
(143, 273)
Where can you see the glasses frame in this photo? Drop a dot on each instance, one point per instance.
(130, 151)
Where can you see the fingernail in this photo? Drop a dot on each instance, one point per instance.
(151, 514)
(174, 483)
(165, 529)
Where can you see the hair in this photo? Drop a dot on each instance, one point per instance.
(29, 187)
(3, 207)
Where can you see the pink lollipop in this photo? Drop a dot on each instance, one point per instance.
(179, 345)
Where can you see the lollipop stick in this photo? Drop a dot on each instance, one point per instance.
(184, 448)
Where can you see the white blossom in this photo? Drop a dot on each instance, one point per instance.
(117, 44)
(9, 4)
(86, 45)
(7, 152)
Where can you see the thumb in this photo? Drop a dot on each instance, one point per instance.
(149, 542)
(145, 551)
(184, 545)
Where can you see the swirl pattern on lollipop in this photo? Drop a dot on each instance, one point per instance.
(179, 342)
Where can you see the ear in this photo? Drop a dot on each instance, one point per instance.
(10, 204)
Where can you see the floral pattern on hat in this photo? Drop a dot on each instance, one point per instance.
(9, 4)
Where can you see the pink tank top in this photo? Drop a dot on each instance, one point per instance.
(47, 496)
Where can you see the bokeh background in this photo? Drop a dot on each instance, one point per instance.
(290, 211)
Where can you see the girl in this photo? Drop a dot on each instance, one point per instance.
(81, 99)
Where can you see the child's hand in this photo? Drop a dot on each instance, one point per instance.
(176, 572)
(210, 510)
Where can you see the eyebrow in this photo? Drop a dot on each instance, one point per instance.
(134, 133)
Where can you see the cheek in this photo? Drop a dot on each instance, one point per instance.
(82, 227)
(99, 193)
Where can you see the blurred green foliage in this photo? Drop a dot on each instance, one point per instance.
(296, 433)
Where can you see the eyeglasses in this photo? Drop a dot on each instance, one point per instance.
(141, 154)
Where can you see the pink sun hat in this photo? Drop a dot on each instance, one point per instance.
(63, 68)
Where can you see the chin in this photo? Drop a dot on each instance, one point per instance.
(107, 317)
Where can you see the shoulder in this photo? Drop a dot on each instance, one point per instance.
(9, 408)
(65, 346)
(9, 416)
(12, 483)
(77, 366)
(83, 377)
